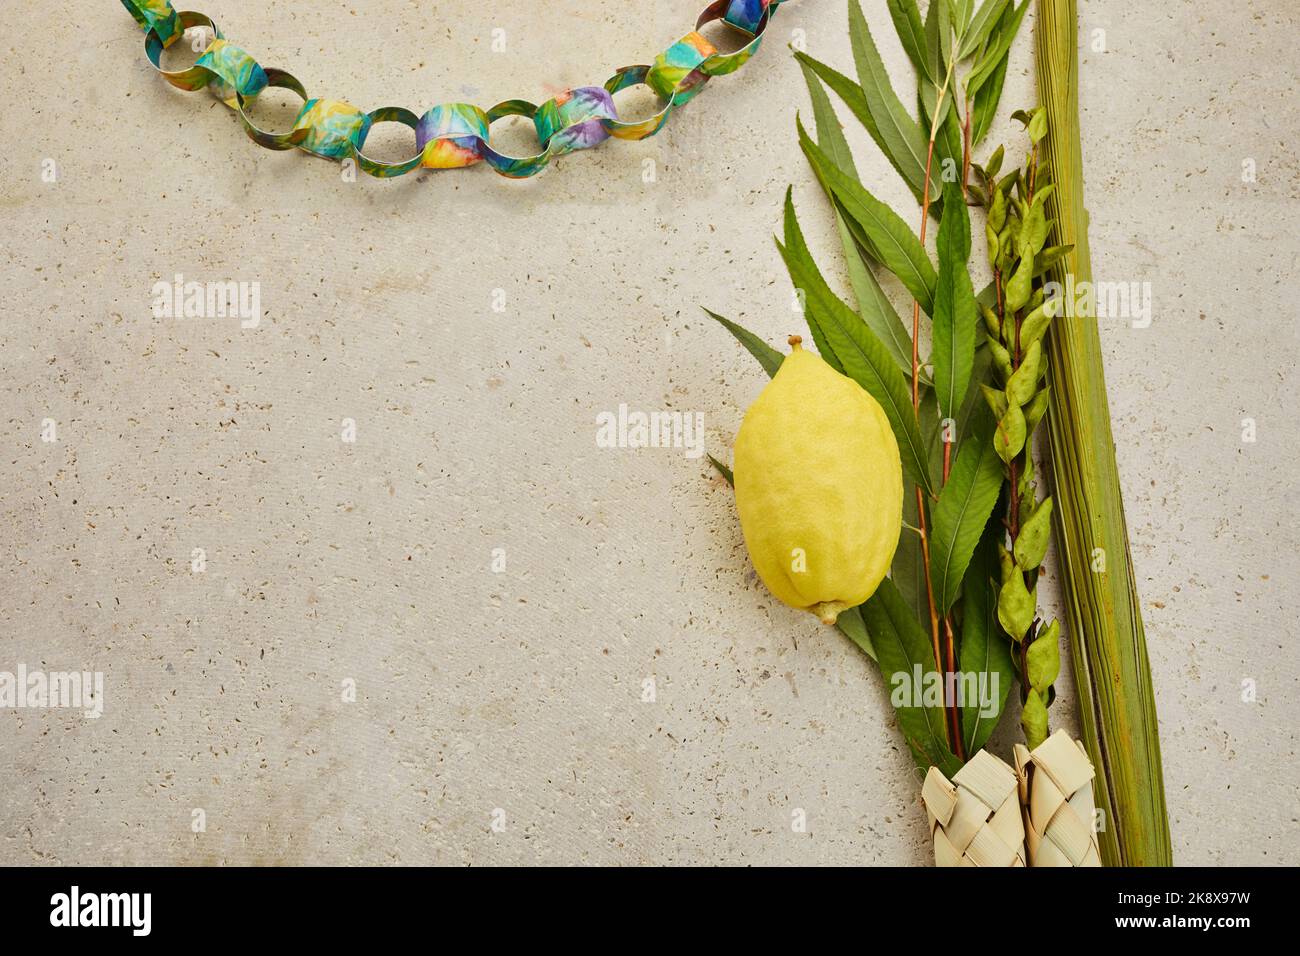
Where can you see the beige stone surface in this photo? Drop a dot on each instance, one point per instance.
(520, 690)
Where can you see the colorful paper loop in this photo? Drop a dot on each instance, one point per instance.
(676, 72)
(747, 15)
(453, 135)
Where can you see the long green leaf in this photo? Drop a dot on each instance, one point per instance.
(843, 87)
(908, 569)
(947, 142)
(974, 404)
(798, 251)
(899, 250)
(830, 134)
(983, 648)
(911, 33)
(985, 19)
(938, 32)
(902, 651)
(899, 138)
(932, 435)
(856, 232)
(955, 312)
(723, 470)
(985, 105)
(959, 518)
(876, 309)
(999, 44)
(960, 11)
(873, 305)
(767, 356)
(851, 625)
(865, 248)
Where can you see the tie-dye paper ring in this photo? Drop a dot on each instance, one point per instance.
(334, 128)
(515, 167)
(450, 136)
(574, 119)
(278, 80)
(383, 170)
(194, 78)
(676, 86)
(747, 15)
(720, 64)
(158, 17)
(454, 135)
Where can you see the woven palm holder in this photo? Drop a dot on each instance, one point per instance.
(975, 819)
(1055, 784)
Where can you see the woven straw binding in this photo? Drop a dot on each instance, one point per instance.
(1055, 783)
(975, 819)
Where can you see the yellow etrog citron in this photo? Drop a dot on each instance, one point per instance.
(819, 487)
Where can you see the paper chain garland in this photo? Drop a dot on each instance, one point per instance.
(455, 134)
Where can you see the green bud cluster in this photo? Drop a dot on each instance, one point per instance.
(1017, 228)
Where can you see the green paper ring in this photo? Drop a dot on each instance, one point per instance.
(275, 79)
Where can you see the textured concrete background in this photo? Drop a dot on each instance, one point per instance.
(522, 690)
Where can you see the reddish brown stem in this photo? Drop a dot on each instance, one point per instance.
(954, 713)
(929, 584)
(945, 657)
(916, 408)
(1013, 506)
